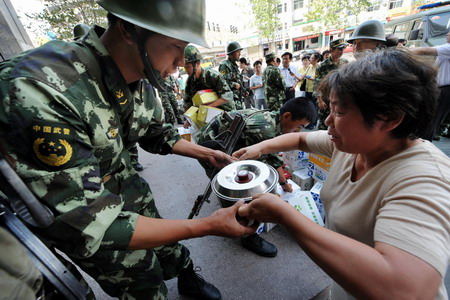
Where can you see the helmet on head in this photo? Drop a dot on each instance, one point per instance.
(233, 47)
(180, 19)
(191, 54)
(183, 20)
(371, 30)
(80, 30)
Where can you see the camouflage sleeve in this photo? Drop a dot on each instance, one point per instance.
(159, 137)
(279, 80)
(220, 86)
(273, 160)
(188, 95)
(259, 127)
(227, 74)
(56, 158)
(319, 75)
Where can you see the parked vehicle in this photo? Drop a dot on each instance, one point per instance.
(426, 28)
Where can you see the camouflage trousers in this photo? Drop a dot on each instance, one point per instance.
(239, 104)
(274, 103)
(170, 106)
(321, 116)
(136, 274)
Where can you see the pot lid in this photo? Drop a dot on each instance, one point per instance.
(243, 179)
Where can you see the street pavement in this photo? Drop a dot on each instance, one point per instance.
(239, 274)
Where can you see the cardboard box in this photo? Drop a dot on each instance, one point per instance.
(303, 179)
(296, 160)
(321, 166)
(321, 161)
(191, 116)
(303, 201)
(206, 113)
(204, 97)
(315, 191)
(285, 195)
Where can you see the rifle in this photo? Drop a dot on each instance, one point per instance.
(37, 215)
(231, 136)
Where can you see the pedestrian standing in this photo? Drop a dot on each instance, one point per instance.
(256, 85)
(333, 62)
(290, 75)
(247, 93)
(273, 82)
(230, 71)
(442, 54)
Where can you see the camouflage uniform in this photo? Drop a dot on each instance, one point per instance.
(321, 71)
(260, 125)
(169, 101)
(274, 87)
(72, 118)
(230, 71)
(209, 79)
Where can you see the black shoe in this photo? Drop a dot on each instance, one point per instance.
(193, 285)
(138, 167)
(258, 245)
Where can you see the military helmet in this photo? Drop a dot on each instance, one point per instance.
(372, 30)
(233, 47)
(191, 54)
(180, 19)
(80, 30)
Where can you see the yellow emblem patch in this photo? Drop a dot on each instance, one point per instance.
(52, 144)
(113, 132)
(51, 153)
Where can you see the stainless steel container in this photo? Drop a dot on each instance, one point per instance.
(243, 179)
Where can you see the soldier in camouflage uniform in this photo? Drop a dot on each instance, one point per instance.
(230, 71)
(201, 79)
(274, 85)
(261, 125)
(71, 111)
(169, 101)
(334, 61)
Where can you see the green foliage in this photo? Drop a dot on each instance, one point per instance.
(63, 15)
(335, 14)
(265, 17)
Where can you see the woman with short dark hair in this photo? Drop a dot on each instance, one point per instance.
(386, 197)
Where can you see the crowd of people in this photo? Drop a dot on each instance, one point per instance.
(73, 113)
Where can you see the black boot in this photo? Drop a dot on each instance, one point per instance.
(193, 285)
(258, 245)
(138, 167)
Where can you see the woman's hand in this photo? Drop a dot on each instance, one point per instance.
(251, 152)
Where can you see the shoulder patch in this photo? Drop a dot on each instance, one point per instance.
(53, 144)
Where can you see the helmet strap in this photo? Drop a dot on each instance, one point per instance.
(153, 76)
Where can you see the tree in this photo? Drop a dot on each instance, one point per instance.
(265, 17)
(335, 14)
(63, 15)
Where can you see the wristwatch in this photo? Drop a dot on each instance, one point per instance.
(283, 183)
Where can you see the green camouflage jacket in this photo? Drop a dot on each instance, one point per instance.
(209, 79)
(72, 118)
(326, 67)
(274, 87)
(230, 71)
(169, 100)
(260, 125)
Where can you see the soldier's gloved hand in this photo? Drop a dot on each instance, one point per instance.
(219, 159)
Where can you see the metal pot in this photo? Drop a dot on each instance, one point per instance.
(243, 179)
